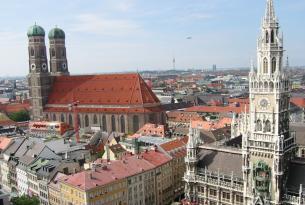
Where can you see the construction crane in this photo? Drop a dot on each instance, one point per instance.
(73, 107)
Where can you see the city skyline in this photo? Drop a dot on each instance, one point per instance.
(131, 35)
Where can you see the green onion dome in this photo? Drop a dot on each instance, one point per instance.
(35, 31)
(56, 33)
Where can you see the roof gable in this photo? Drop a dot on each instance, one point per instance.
(107, 89)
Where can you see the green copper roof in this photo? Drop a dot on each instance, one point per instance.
(35, 31)
(56, 33)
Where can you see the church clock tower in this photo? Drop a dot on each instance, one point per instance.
(267, 145)
(58, 57)
(38, 78)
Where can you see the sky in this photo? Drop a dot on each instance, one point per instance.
(135, 35)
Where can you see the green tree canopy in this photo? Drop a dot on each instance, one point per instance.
(20, 116)
(25, 200)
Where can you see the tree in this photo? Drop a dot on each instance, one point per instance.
(25, 200)
(20, 116)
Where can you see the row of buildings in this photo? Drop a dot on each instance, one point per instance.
(60, 171)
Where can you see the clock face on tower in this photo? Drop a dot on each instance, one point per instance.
(264, 103)
(33, 66)
(44, 67)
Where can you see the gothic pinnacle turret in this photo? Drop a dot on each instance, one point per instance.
(270, 14)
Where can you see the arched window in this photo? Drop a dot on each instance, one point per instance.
(86, 121)
(112, 123)
(271, 85)
(42, 53)
(54, 117)
(273, 65)
(258, 125)
(70, 119)
(265, 66)
(62, 118)
(104, 122)
(135, 122)
(32, 52)
(63, 53)
(267, 126)
(267, 37)
(53, 52)
(122, 119)
(95, 119)
(272, 36)
(266, 85)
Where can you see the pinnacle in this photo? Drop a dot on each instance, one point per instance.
(270, 14)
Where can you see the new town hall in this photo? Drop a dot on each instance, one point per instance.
(115, 102)
(259, 167)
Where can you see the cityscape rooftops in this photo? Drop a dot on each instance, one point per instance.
(104, 172)
(218, 109)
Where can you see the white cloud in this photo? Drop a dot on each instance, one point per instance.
(92, 23)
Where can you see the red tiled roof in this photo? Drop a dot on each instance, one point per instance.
(155, 157)
(178, 143)
(212, 125)
(105, 110)
(217, 109)
(115, 170)
(239, 100)
(183, 116)
(108, 89)
(14, 107)
(300, 102)
(152, 129)
(4, 142)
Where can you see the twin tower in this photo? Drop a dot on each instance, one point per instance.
(40, 78)
(37, 51)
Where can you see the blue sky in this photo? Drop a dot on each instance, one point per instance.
(129, 35)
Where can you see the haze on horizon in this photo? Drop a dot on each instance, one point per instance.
(129, 35)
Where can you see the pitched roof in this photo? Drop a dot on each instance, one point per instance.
(117, 149)
(14, 107)
(218, 109)
(152, 129)
(298, 101)
(182, 116)
(212, 125)
(106, 89)
(225, 162)
(4, 143)
(115, 170)
(176, 148)
(175, 144)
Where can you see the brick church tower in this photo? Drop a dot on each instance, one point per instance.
(58, 58)
(39, 78)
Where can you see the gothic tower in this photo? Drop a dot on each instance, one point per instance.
(191, 161)
(58, 58)
(38, 78)
(267, 145)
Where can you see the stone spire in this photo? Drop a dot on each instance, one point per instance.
(270, 14)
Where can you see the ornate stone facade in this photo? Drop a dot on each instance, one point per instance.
(258, 165)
